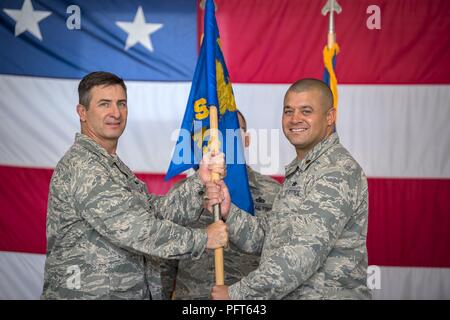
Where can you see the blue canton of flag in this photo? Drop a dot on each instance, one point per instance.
(70, 38)
(211, 86)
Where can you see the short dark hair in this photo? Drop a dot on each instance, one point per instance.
(97, 78)
(243, 119)
(309, 84)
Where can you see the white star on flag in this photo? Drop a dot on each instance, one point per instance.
(27, 19)
(139, 31)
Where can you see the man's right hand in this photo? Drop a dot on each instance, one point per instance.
(217, 192)
(212, 163)
(217, 235)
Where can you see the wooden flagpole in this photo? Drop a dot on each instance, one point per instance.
(214, 136)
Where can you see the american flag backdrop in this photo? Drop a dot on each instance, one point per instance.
(393, 74)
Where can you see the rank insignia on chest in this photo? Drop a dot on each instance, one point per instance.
(260, 200)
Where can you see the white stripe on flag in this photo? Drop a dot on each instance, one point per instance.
(21, 275)
(393, 131)
(414, 283)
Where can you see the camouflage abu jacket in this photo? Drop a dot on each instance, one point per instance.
(105, 232)
(313, 242)
(193, 279)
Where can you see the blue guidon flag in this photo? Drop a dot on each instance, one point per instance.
(211, 86)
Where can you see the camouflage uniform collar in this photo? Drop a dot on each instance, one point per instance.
(312, 155)
(292, 167)
(88, 143)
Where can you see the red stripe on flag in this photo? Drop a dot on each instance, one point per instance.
(405, 227)
(23, 206)
(156, 184)
(409, 222)
(282, 41)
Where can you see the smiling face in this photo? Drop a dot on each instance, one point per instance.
(105, 118)
(306, 121)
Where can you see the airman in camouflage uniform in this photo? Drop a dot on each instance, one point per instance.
(105, 232)
(313, 243)
(193, 279)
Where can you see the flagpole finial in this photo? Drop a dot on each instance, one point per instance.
(331, 7)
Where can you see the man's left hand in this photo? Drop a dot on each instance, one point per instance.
(217, 193)
(220, 293)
